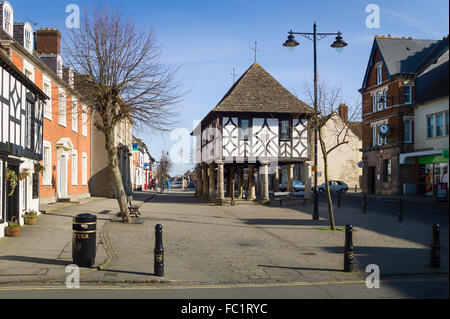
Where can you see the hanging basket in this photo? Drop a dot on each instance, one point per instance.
(14, 229)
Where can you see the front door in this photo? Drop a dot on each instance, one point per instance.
(63, 177)
(12, 202)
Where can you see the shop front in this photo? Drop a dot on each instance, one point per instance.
(432, 171)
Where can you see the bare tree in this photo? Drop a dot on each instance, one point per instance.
(122, 76)
(164, 167)
(329, 123)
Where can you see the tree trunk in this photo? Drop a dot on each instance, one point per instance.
(327, 186)
(329, 200)
(113, 164)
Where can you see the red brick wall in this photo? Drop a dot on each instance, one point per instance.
(53, 131)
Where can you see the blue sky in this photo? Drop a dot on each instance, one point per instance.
(209, 38)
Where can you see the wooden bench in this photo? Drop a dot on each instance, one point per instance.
(134, 209)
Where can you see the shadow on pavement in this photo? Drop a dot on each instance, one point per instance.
(36, 260)
(289, 222)
(300, 268)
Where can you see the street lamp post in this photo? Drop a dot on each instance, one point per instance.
(338, 44)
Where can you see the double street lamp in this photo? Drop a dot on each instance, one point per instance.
(338, 44)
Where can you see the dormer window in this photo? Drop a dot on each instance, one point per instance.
(8, 18)
(28, 40)
(59, 67)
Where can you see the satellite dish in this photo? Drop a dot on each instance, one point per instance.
(361, 164)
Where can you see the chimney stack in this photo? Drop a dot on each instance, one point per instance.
(343, 112)
(48, 41)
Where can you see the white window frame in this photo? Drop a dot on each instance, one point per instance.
(28, 68)
(410, 94)
(30, 31)
(379, 104)
(74, 115)
(374, 102)
(47, 175)
(433, 118)
(8, 24)
(379, 73)
(59, 66)
(84, 161)
(377, 140)
(84, 120)
(74, 168)
(408, 138)
(62, 107)
(48, 103)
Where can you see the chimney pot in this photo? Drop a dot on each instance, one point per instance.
(48, 41)
(343, 112)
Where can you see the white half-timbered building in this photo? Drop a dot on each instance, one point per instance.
(21, 129)
(258, 125)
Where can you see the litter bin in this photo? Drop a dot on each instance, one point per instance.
(84, 235)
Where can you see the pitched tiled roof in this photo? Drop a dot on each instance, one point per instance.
(433, 80)
(404, 55)
(257, 91)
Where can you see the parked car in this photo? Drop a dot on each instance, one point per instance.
(335, 186)
(296, 186)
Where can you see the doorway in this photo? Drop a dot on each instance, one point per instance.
(12, 202)
(62, 180)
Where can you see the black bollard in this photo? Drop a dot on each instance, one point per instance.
(364, 204)
(339, 199)
(435, 248)
(159, 252)
(348, 249)
(400, 210)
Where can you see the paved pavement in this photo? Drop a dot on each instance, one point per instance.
(205, 244)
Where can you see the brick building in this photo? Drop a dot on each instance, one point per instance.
(66, 137)
(389, 98)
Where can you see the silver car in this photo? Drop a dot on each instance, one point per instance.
(335, 186)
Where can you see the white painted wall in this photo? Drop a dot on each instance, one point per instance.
(420, 125)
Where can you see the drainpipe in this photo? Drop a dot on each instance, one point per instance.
(402, 139)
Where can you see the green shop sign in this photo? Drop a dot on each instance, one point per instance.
(434, 159)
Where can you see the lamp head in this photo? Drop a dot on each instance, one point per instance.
(290, 43)
(339, 44)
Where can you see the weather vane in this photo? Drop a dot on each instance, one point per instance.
(255, 49)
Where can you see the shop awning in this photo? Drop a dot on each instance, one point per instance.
(426, 157)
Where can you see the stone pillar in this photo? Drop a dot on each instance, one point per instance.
(231, 182)
(233, 199)
(265, 183)
(290, 189)
(205, 182)
(198, 182)
(212, 184)
(307, 179)
(220, 200)
(276, 180)
(251, 183)
(240, 183)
